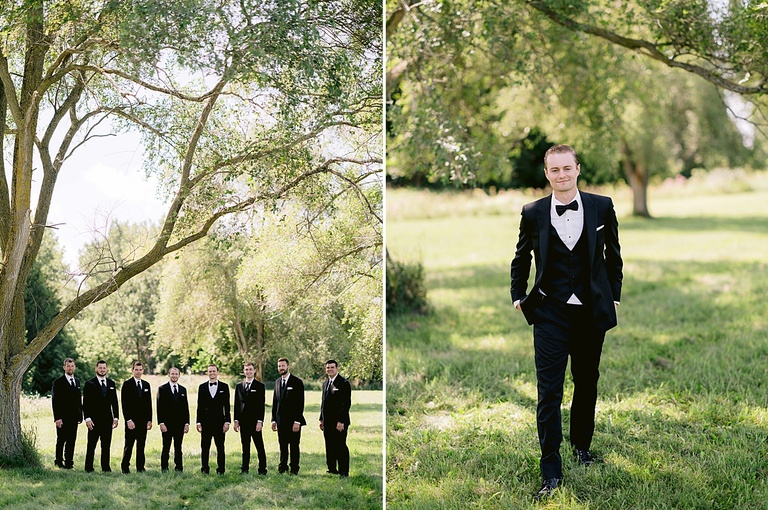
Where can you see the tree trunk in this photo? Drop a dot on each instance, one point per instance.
(637, 178)
(261, 355)
(10, 415)
(12, 334)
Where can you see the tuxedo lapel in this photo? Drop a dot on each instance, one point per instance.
(543, 218)
(590, 225)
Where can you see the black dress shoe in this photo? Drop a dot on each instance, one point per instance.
(263, 472)
(547, 488)
(331, 472)
(585, 457)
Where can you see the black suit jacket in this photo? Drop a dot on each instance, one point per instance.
(605, 265)
(213, 412)
(289, 407)
(136, 407)
(99, 408)
(65, 400)
(336, 401)
(249, 405)
(173, 411)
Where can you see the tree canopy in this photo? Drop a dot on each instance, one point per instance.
(469, 80)
(236, 101)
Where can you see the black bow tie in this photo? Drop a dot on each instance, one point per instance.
(574, 206)
(212, 384)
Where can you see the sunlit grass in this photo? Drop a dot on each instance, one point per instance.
(312, 489)
(682, 416)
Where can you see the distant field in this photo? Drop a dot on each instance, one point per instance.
(312, 489)
(682, 418)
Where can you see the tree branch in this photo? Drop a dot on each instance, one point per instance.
(648, 49)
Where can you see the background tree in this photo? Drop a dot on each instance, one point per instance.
(305, 283)
(229, 96)
(42, 300)
(118, 329)
(472, 79)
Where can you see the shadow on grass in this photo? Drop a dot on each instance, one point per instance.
(461, 395)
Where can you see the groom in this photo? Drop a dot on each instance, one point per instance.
(574, 238)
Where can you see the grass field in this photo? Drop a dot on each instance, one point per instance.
(682, 415)
(52, 488)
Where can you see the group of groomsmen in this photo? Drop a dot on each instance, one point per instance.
(97, 404)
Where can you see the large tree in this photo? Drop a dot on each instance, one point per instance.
(230, 96)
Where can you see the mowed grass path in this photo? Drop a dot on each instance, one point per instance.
(682, 415)
(53, 488)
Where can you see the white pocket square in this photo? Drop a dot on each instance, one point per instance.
(599, 228)
(289, 388)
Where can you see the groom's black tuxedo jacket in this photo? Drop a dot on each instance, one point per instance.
(213, 412)
(605, 265)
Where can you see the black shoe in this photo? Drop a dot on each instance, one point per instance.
(58, 464)
(89, 470)
(179, 469)
(163, 469)
(243, 471)
(126, 471)
(263, 472)
(547, 488)
(205, 471)
(585, 457)
(344, 475)
(108, 470)
(332, 472)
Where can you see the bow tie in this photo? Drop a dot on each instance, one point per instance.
(574, 206)
(212, 384)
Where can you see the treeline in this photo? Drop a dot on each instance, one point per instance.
(244, 293)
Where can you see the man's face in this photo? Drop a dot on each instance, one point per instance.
(331, 369)
(137, 371)
(69, 367)
(248, 370)
(101, 369)
(213, 373)
(282, 367)
(173, 375)
(562, 171)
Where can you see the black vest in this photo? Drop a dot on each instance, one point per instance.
(567, 271)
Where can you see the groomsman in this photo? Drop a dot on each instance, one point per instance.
(249, 418)
(173, 418)
(101, 415)
(136, 397)
(334, 419)
(213, 418)
(67, 414)
(288, 415)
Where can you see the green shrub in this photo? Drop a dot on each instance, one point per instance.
(406, 288)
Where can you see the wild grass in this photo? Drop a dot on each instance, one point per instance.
(53, 488)
(682, 415)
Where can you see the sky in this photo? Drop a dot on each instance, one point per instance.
(99, 183)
